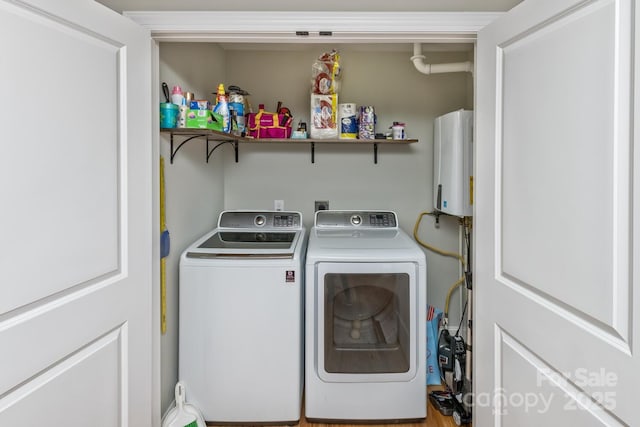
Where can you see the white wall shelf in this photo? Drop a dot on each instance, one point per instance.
(221, 138)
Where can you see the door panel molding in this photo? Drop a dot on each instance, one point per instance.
(26, 332)
(101, 356)
(74, 211)
(563, 390)
(607, 312)
(601, 330)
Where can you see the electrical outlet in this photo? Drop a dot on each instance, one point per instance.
(322, 205)
(278, 205)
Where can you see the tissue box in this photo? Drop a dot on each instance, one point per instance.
(204, 119)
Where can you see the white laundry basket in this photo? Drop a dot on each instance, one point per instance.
(184, 414)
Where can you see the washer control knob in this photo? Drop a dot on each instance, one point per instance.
(260, 220)
(356, 220)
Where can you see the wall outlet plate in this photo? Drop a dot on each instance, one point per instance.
(278, 205)
(321, 205)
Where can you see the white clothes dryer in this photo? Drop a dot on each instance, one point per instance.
(241, 318)
(365, 324)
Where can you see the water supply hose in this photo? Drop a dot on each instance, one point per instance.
(443, 253)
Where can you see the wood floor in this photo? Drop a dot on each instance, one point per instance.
(434, 419)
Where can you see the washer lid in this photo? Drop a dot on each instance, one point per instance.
(249, 240)
(252, 234)
(242, 243)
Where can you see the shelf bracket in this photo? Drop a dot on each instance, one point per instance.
(210, 152)
(174, 152)
(220, 138)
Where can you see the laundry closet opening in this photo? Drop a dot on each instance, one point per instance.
(380, 75)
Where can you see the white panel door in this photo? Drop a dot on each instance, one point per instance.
(557, 216)
(75, 258)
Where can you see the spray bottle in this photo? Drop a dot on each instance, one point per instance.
(222, 108)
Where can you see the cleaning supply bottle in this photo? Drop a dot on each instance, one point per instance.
(176, 95)
(222, 108)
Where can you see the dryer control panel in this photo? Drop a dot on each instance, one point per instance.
(356, 219)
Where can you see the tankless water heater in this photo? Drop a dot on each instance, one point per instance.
(453, 163)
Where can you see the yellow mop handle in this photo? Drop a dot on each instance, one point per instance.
(163, 261)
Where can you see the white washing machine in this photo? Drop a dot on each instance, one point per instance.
(241, 318)
(365, 326)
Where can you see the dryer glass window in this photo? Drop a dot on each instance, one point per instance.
(366, 323)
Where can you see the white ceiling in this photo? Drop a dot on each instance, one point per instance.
(324, 5)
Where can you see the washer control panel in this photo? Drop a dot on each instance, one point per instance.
(287, 220)
(356, 219)
(260, 220)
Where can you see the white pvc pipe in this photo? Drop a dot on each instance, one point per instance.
(456, 67)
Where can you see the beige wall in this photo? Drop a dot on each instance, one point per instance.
(346, 175)
(194, 188)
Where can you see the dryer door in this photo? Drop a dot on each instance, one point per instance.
(366, 323)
